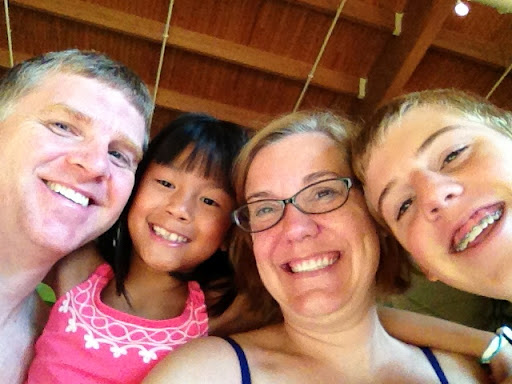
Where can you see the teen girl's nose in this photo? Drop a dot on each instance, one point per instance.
(435, 192)
(179, 205)
(91, 158)
(296, 225)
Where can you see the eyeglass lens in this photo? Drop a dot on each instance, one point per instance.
(316, 198)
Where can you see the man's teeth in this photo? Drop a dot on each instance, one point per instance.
(69, 194)
(477, 230)
(313, 264)
(166, 235)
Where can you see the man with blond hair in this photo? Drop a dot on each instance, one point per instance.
(73, 127)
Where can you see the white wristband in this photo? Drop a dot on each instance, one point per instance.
(502, 334)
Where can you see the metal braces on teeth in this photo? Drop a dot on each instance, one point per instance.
(482, 224)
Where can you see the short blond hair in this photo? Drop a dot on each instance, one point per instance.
(470, 106)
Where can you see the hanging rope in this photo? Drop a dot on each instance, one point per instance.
(499, 81)
(9, 37)
(322, 49)
(165, 37)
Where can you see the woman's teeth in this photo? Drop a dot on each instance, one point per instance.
(312, 264)
(169, 236)
(478, 229)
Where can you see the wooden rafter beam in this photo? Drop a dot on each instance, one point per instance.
(356, 10)
(384, 19)
(422, 22)
(181, 102)
(488, 53)
(194, 42)
(186, 103)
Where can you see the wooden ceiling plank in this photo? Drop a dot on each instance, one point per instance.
(422, 21)
(182, 102)
(380, 18)
(260, 60)
(254, 58)
(193, 41)
(356, 10)
(98, 16)
(186, 103)
(484, 52)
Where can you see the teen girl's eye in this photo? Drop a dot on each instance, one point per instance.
(403, 208)
(453, 155)
(165, 183)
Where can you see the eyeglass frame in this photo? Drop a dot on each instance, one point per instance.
(348, 181)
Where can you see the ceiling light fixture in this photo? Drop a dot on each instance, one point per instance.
(461, 8)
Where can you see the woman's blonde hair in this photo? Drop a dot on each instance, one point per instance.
(340, 130)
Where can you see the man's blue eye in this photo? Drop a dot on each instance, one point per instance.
(61, 126)
(120, 158)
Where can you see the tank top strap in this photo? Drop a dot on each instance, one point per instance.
(242, 359)
(435, 364)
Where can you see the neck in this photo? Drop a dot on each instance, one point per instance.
(152, 294)
(359, 341)
(22, 267)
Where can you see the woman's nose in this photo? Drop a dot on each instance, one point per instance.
(298, 225)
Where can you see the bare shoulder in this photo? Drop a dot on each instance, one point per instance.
(238, 318)
(74, 268)
(205, 360)
(461, 368)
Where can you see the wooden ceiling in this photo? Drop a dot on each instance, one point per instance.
(248, 61)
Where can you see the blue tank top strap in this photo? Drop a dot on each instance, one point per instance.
(435, 364)
(244, 367)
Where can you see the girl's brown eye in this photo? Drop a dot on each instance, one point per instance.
(165, 183)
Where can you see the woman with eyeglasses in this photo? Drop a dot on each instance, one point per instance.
(306, 230)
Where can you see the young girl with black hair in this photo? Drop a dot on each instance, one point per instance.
(168, 277)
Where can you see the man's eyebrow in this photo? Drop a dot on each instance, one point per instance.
(131, 146)
(422, 148)
(82, 117)
(71, 112)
